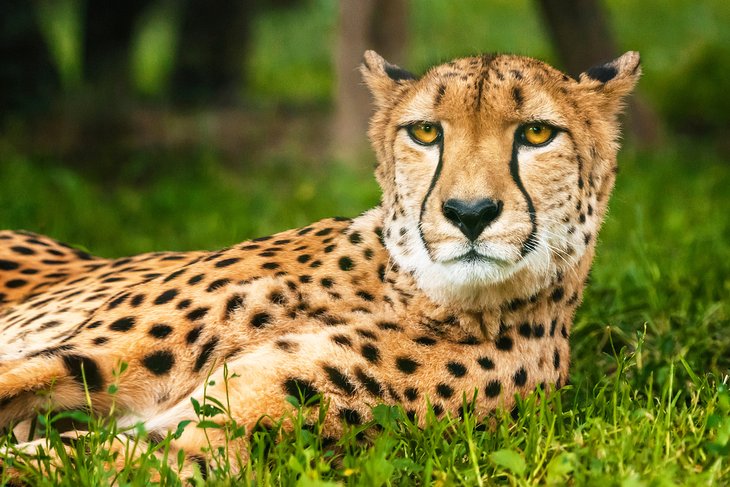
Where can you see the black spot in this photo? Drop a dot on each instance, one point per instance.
(122, 324)
(439, 94)
(557, 294)
(80, 368)
(301, 389)
(160, 331)
(456, 369)
(233, 303)
(260, 319)
(469, 340)
(517, 96)
(197, 313)
(205, 353)
(355, 238)
(196, 279)
(95, 324)
(22, 250)
(444, 390)
(323, 232)
(329, 248)
(184, 304)
(372, 385)
(493, 388)
(411, 393)
(438, 409)
(100, 340)
(342, 340)
(7, 265)
(586, 238)
(267, 253)
(365, 296)
(304, 258)
(286, 345)
(217, 284)
(193, 335)
(556, 359)
(406, 365)
(539, 330)
(504, 343)
(525, 330)
(16, 283)
(346, 263)
(166, 297)
(381, 272)
(371, 353)
(304, 231)
(137, 300)
(159, 363)
(485, 363)
(582, 218)
(117, 301)
(340, 380)
(368, 253)
(553, 324)
(424, 340)
(602, 73)
(174, 275)
(520, 377)
(277, 298)
(350, 416)
(305, 279)
(270, 265)
(326, 282)
(226, 262)
(366, 334)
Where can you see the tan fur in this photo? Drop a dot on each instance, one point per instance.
(376, 309)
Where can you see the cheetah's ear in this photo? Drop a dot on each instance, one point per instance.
(381, 77)
(615, 79)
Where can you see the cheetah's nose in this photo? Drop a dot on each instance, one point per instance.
(472, 217)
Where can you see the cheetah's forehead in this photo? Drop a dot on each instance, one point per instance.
(503, 88)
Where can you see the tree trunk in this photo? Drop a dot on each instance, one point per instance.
(381, 25)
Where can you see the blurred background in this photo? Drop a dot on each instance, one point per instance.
(177, 124)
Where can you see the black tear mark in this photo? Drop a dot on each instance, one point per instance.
(514, 169)
(434, 180)
(80, 368)
(602, 73)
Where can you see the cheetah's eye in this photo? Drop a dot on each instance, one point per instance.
(425, 133)
(536, 134)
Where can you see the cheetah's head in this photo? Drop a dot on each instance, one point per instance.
(495, 170)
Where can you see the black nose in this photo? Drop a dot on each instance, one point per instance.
(472, 217)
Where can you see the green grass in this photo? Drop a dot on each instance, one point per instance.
(648, 403)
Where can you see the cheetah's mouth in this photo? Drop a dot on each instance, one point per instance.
(474, 257)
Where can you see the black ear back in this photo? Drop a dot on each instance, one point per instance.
(602, 73)
(397, 73)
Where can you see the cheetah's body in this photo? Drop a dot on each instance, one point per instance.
(394, 306)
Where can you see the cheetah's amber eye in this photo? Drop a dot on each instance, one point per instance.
(537, 134)
(425, 133)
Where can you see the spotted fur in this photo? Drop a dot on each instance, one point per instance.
(394, 306)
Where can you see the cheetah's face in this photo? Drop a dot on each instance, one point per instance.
(495, 170)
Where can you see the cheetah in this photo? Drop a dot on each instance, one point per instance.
(495, 173)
